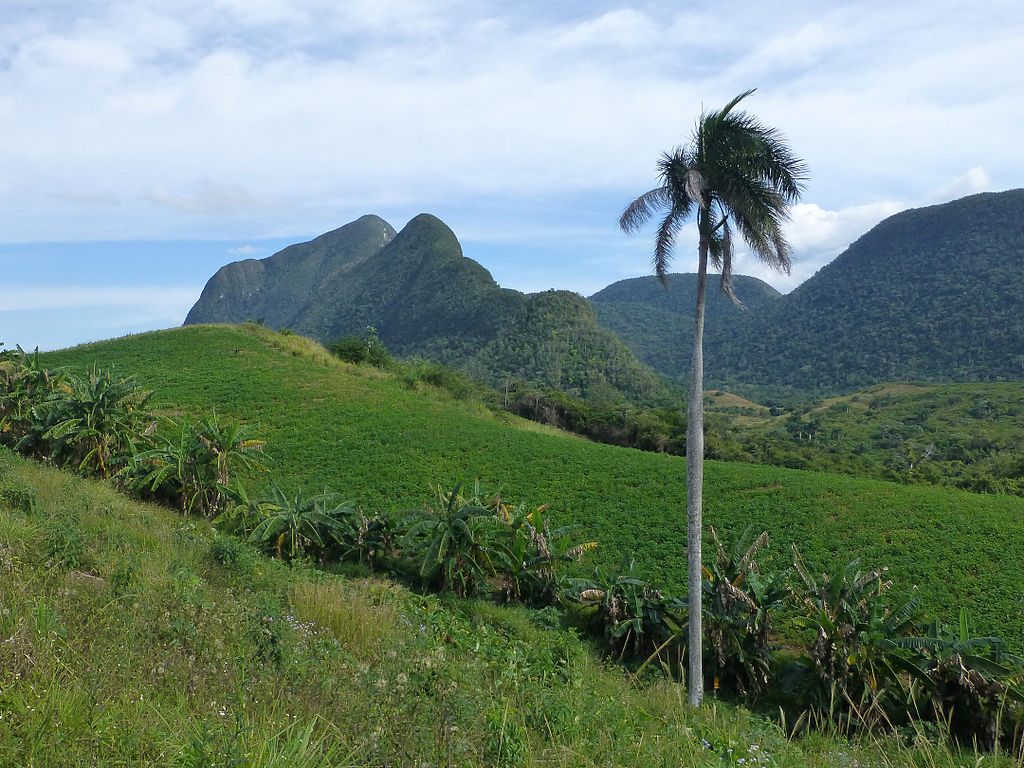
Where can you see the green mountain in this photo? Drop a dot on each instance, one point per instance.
(281, 289)
(655, 320)
(425, 298)
(933, 294)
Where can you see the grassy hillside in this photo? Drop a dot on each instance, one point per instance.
(132, 636)
(363, 433)
(961, 435)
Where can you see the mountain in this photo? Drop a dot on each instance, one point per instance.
(655, 320)
(932, 294)
(281, 288)
(425, 298)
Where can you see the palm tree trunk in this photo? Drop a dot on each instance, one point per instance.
(695, 486)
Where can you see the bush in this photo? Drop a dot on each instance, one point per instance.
(366, 348)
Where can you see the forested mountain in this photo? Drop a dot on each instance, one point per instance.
(933, 294)
(655, 320)
(425, 298)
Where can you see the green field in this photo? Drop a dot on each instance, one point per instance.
(365, 434)
(132, 636)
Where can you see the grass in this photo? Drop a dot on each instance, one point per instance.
(364, 434)
(170, 646)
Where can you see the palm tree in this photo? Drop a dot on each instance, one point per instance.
(736, 174)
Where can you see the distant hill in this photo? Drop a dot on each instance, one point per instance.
(655, 320)
(932, 294)
(425, 298)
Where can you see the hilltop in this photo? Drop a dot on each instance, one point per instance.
(655, 320)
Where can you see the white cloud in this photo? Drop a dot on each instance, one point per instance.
(973, 181)
(243, 250)
(239, 120)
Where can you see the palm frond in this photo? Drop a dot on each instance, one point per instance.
(640, 210)
(725, 266)
(665, 242)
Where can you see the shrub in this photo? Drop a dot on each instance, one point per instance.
(634, 617)
(458, 546)
(366, 348)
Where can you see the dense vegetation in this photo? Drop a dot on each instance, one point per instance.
(435, 304)
(376, 440)
(932, 294)
(655, 320)
(470, 545)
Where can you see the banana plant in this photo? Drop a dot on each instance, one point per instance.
(93, 422)
(537, 552)
(635, 617)
(856, 656)
(971, 681)
(738, 604)
(458, 546)
(24, 385)
(293, 526)
(194, 465)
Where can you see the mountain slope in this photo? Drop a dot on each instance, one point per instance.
(426, 298)
(279, 288)
(935, 293)
(656, 321)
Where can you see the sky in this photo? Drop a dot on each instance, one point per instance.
(147, 143)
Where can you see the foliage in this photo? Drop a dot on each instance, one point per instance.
(95, 681)
(459, 545)
(293, 525)
(856, 661)
(91, 423)
(24, 385)
(972, 683)
(366, 348)
(635, 617)
(537, 552)
(194, 466)
(738, 607)
(967, 436)
(367, 435)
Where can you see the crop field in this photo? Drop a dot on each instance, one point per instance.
(369, 436)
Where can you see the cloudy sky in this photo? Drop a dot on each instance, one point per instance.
(147, 143)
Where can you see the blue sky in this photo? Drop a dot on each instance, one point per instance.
(147, 143)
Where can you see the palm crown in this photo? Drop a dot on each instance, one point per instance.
(739, 175)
